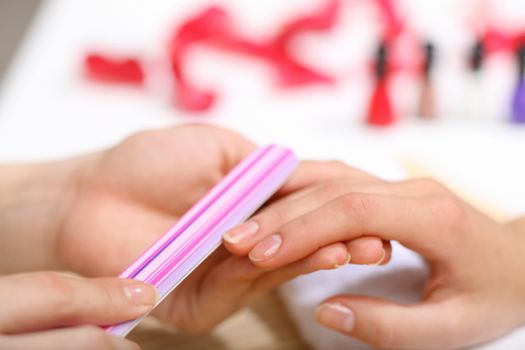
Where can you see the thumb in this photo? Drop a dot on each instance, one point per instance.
(43, 300)
(387, 325)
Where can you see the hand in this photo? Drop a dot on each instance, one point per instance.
(32, 320)
(475, 291)
(123, 199)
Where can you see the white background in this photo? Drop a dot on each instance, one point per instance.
(49, 110)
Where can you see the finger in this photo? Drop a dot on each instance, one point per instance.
(64, 300)
(409, 220)
(369, 250)
(235, 146)
(237, 274)
(388, 325)
(327, 258)
(237, 282)
(80, 338)
(241, 239)
(387, 246)
(315, 172)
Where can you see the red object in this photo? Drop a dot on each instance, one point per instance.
(497, 40)
(114, 70)
(380, 112)
(393, 22)
(518, 40)
(213, 21)
(289, 70)
(214, 27)
(324, 20)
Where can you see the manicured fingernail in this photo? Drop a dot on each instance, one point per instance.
(139, 293)
(241, 233)
(348, 258)
(266, 248)
(336, 316)
(381, 259)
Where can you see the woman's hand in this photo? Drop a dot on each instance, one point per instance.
(476, 289)
(105, 209)
(36, 306)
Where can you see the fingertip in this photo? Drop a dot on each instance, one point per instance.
(265, 250)
(387, 246)
(379, 260)
(329, 257)
(335, 315)
(240, 239)
(340, 256)
(366, 251)
(139, 293)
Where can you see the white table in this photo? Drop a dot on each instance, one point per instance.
(48, 110)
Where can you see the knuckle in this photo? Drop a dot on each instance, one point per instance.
(276, 215)
(61, 295)
(300, 228)
(108, 301)
(271, 218)
(448, 211)
(356, 205)
(53, 281)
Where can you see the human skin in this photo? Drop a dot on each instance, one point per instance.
(475, 291)
(38, 320)
(96, 213)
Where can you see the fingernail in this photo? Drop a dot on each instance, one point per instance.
(336, 316)
(348, 258)
(241, 233)
(266, 248)
(139, 293)
(383, 256)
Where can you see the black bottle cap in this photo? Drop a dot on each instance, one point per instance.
(430, 57)
(477, 56)
(381, 68)
(521, 60)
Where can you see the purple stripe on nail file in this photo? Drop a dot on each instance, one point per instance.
(199, 232)
(221, 206)
(194, 213)
(201, 237)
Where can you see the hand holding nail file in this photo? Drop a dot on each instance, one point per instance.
(199, 232)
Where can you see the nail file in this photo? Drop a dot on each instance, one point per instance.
(167, 262)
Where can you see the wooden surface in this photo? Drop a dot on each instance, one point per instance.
(263, 326)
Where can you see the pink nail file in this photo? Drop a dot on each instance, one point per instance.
(199, 232)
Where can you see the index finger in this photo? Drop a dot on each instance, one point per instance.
(410, 220)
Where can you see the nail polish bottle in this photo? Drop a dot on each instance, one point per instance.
(380, 111)
(518, 99)
(427, 99)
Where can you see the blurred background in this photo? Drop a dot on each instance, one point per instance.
(15, 17)
(401, 88)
